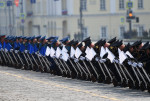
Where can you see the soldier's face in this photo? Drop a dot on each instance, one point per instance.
(57, 43)
(20, 40)
(35, 40)
(131, 49)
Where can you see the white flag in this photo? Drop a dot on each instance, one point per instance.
(58, 52)
(91, 54)
(119, 51)
(87, 50)
(78, 53)
(64, 49)
(72, 53)
(129, 54)
(52, 52)
(122, 57)
(110, 56)
(102, 52)
(65, 56)
(48, 50)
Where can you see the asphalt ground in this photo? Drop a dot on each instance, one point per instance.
(23, 85)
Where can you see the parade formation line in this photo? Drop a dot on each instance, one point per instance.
(60, 86)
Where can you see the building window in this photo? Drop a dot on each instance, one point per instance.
(141, 30)
(140, 4)
(121, 4)
(122, 31)
(103, 32)
(102, 5)
(84, 5)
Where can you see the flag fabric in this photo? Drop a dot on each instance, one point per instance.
(52, 52)
(119, 51)
(129, 54)
(87, 50)
(72, 52)
(91, 54)
(122, 57)
(78, 53)
(58, 52)
(65, 56)
(48, 50)
(102, 52)
(110, 56)
(64, 49)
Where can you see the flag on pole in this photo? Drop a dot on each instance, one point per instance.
(48, 50)
(72, 53)
(52, 52)
(78, 53)
(110, 56)
(58, 52)
(102, 52)
(122, 57)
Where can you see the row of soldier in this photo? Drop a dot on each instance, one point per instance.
(104, 62)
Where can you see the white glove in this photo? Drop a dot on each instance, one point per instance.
(2, 49)
(6, 50)
(11, 50)
(76, 60)
(102, 60)
(16, 51)
(26, 51)
(82, 58)
(140, 65)
(87, 59)
(129, 63)
(134, 64)
(39, 55)
(97, 59)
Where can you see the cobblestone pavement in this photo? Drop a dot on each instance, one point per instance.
(21, 85)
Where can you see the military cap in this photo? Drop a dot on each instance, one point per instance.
(64, 40)
(88, 43)
(145, 45)
(80, 45)
(98, 42)
(38, 37)
(50, 38)
(23, 37)
(43, 38)
(112, 40)
(75, 43)
(71, 42)
(119, 43)
(126, 47)
(54, 40)
(135, 44)
(87, 40)
(32, 38)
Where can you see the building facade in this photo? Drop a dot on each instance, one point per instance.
(101, 18)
